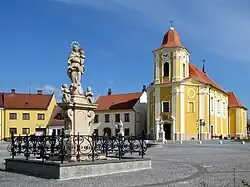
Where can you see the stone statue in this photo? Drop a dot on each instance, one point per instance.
(76, 68)
(89, 95)
(120, 126)
(66, 93)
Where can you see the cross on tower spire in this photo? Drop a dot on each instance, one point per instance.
(171, 23)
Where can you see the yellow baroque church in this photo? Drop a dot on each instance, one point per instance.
(189, 103)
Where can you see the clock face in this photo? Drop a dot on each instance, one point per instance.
(165, 56)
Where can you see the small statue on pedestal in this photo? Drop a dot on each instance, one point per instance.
(89, 95)
(66, 93)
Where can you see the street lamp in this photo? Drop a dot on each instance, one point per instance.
(202, 124)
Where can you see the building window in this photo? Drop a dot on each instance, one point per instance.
(218, 106)
(58, 131)
(191, 106)
(96, 119)
(212, 104)
(117, 118)
(165, 106)
(26, 131)
(184, 70)
(26, 116)
(13, 116)
(13, 130)
(126, 132)
(166, 70)
(54, 132)
(126, 117)
(40, 116)
(106, 118)
(96, 132)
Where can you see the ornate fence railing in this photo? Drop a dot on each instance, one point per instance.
(78, 147)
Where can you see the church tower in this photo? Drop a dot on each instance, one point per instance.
(166, 96)
(171, 59)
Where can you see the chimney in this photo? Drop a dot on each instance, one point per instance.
(39, 92)
(143, 88)
(13, 91)
(109, 91)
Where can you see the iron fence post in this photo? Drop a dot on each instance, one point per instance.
(142, 147)
(62, 146)
(92, 148)
(27, 147)
(12, 145)
(78, 147)
(119, 147)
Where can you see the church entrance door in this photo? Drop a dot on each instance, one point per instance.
(167, 129)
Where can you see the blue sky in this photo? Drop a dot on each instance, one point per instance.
(118, 37)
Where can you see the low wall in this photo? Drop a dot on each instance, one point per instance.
(64, 171)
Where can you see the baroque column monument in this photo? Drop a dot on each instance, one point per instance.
(78, 106)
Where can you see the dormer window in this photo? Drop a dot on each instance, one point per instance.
(166, 69)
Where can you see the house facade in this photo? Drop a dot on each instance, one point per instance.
(191, 104)
(26, 113)
(130, 108)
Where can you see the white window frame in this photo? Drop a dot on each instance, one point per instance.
(188, 106)
(162, 108)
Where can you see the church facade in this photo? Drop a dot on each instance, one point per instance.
(190, 104)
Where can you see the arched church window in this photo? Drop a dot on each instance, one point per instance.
(166, 70)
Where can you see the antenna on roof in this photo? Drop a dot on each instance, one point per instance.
(29, 89)
(203, 66)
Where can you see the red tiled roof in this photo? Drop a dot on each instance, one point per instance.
(171, 39)
(199, 75)
(28, 101)
(118, 101)
(233, 101)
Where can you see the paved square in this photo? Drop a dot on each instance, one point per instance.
(187, 164)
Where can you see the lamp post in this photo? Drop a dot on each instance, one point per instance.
(202, 124)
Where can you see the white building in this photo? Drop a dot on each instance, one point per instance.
(130, 108)
(56, 123)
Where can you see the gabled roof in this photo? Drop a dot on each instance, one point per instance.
(54, 120)
(117, 101)
(200, 76)
(233, 101)
(26, 101)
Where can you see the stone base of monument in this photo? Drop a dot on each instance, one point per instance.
(74, 170)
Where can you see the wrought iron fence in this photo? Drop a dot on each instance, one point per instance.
(78, 147)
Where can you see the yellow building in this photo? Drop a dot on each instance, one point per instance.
(190, 103)
(237, 117)
(26, 113)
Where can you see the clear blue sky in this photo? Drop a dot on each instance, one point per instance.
(118, 37)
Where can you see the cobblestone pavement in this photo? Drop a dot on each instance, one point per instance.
(187, 164)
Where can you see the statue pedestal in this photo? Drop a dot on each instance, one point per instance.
(161, 137)
(78, 115)
(77, 120)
